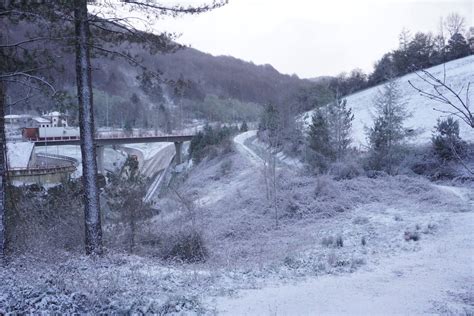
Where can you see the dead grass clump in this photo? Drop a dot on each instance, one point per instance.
(333, 242)
(187, 247)
(360, 220)
(411, 235)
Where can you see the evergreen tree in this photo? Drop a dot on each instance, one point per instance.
(387, 134)
(457, 47)
(419, 52)
(329, 132)
(270, 125)
(244, 127)
(383, 70)
(319, 136)
(446, 141)
(339, 119)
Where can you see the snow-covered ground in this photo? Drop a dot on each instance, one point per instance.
(258, 266)
(436, 278)
(244, 150)
(19, 154)
(288, 270)
(458, 73)
(326, 247)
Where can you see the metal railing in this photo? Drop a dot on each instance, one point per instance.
(109, 136)
(15, 172)
(73, 161)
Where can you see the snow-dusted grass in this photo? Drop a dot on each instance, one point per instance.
(224, 199)
(240, 223)
(458, 74)
(435, 277)
(247, 250)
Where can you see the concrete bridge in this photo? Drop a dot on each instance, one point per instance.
(103, 141)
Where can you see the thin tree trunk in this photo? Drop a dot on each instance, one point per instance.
(93, 237)
(3, 171)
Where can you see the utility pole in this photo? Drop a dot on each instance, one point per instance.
(107, 110)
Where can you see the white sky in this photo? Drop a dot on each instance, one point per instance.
(311, 37)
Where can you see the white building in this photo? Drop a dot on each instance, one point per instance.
(51, 119)
(56, 119)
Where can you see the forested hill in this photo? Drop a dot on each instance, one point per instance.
(218, 77)
(230, 77)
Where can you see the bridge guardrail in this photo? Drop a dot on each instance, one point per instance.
(59, 139)
(58, 157)
(40, 171)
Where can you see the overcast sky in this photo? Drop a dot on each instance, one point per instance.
(312, 37)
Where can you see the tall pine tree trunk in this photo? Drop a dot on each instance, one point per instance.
(3, 171)
(93, 237)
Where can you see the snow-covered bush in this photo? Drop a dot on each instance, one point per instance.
(41, 221)
(211, 142)
(446, 141)
(185, 246)
(181, 306)
(348, 169)
(226, 167)
(424, 161)
(334, 242)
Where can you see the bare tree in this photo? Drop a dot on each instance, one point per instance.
(455, 23)
(3, 170)
(444, 93)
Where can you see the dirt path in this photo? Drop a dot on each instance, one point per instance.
(437, 279)
(244, 150)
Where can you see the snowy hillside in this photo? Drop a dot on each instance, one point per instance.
(458, 73)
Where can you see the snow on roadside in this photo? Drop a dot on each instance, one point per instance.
(19, 154)
(149, 150)
(244, 150)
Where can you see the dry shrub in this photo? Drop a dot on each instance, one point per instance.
(334, 242)
(187, 247)
(45, 222)
(345, 170)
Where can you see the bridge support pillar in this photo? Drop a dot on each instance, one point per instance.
(99, 152)
(178, 158)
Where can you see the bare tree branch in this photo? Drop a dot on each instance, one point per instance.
(28, 96)
(461, 107)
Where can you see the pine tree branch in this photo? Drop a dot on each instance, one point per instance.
(32, 40)
(29, 76)
(175, 10)
(130, 59)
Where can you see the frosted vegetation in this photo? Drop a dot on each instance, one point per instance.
(245, 215)
(423, 117)
(362, 205)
